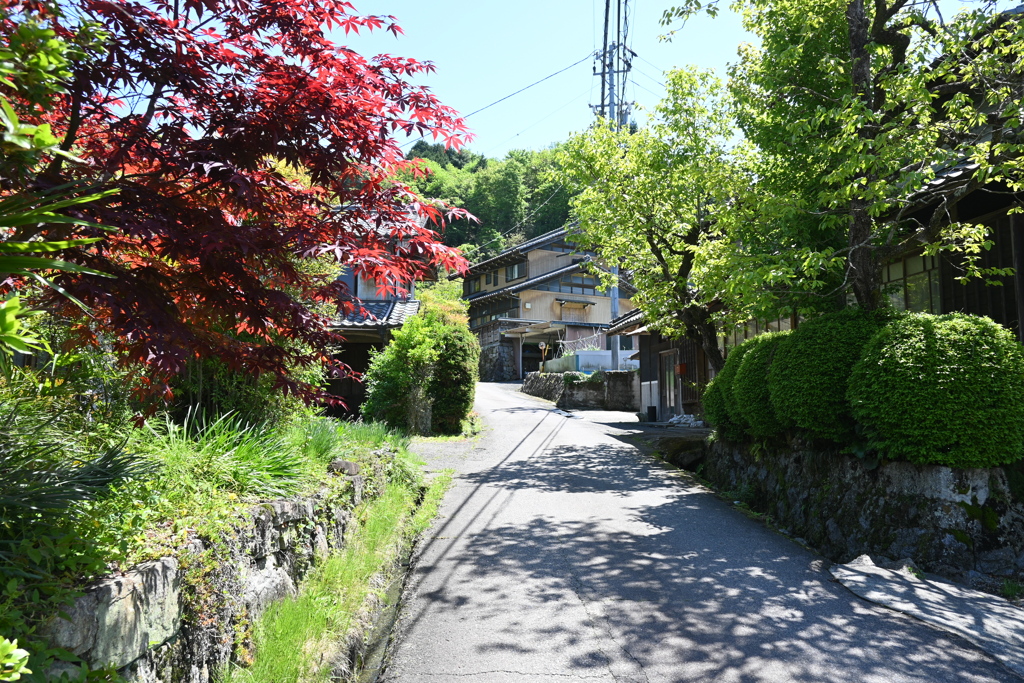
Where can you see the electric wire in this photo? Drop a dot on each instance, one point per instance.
(589, 90)
(635, 84)
(522, 222)
(589, 56)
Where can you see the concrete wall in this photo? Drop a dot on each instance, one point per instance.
(951, 522)
(182, 619)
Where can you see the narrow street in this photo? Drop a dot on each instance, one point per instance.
(564, 554)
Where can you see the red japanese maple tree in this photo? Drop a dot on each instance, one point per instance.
(195, 111)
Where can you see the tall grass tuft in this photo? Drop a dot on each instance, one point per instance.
(227, 454)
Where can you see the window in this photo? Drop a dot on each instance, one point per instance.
(574, 284)
(488, 278)
(516, 271)
(913, 284)
(473, 286)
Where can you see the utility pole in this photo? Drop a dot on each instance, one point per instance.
(615, 59)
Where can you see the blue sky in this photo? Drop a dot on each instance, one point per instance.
(485, 50)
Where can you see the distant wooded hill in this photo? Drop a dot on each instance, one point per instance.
(512, 197)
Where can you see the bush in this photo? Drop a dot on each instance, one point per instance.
(430, 368)
(750, 386)
(720, 406)
(404, 365)
(453, 385)
(811, 371)
(942, 390)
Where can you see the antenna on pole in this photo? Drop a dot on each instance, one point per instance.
(615, 60)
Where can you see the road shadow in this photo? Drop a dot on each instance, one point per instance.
(689, 588)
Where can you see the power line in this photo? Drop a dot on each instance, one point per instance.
(643, 88)
(512, 95)
(551, 113)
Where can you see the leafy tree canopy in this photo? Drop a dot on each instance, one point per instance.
(191, 110)
(871, 122)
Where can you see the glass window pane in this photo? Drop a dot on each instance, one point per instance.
(936, 303)
(915, 264)
(896, 271)
(918, 293)
(896, 296)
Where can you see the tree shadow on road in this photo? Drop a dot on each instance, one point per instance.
(687, 587)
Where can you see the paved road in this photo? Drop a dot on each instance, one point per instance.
(563, 554)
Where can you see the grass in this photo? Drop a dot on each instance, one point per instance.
(296, 639)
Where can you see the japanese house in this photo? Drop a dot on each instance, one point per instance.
(538, 299)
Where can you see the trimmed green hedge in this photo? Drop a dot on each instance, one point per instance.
(750, 386)
(720, 407)
(942, 390)
(453, 385)
(810, 372)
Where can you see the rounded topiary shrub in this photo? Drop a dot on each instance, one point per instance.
(456, 372)
(942, 390)
(810, 372)
(750, 386)
(720, 407)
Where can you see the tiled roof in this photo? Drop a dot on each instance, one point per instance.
(513, 254)
(379, 315)
(528, 284)
(626, 321)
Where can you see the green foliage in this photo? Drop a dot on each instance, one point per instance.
(297, 639)
(750, 386)
(942, 390)
(13, 661)
(404, 364)
(453, 384)
(223, 455)
(513, 199)
(433, 358)
(810, 373)
(720, 406)
(647, 200)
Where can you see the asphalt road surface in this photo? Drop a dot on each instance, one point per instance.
(564, 554)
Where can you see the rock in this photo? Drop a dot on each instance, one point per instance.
(266, 583)
(684, 451)
(999, 562)
(120, 618)
(344, 467)
(358, 484)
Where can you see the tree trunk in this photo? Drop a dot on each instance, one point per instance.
(862, 267)
(704, 331)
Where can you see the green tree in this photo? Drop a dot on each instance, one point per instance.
(854, 109)
(648, 201)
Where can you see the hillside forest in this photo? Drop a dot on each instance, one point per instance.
(513, 199)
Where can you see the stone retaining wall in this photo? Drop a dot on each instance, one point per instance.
(951, 522)
(617, 390)
(182, 619)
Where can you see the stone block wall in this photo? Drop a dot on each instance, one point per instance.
(618, 390)
(951, 522)
(498, 363)
(182, 619)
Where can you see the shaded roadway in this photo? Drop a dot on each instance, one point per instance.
(564, 554)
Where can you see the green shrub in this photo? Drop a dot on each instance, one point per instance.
(720, 406)
(398, 373)
(453, 385)
(811, 371)
(750, 386)
(942, 390)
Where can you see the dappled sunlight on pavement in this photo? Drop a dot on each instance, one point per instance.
(564, 554)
